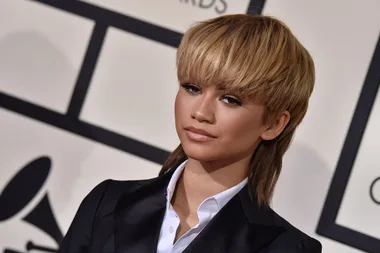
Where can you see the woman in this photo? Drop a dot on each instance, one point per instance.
(245, 82)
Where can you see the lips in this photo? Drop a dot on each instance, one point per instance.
(198, 134)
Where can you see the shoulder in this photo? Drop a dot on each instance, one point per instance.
(106, 194)
(293, 239)
(94, 215)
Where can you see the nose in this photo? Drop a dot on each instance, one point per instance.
(204, 110)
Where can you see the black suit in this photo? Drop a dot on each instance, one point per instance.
(126, 217)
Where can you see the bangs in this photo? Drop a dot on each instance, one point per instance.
(212, 55)
(248, 55)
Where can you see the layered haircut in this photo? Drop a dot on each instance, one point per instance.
(257, 57)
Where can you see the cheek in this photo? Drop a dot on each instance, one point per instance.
(177, 109)
(242, 129)
(181, 108)
(176, 106)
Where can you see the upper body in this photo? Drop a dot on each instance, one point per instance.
(129, 216)
(245, 83)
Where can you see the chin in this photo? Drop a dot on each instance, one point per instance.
(201, 153)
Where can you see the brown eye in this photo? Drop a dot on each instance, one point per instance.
(192, 89)
(231, 100)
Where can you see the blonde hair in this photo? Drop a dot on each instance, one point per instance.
(258, 57)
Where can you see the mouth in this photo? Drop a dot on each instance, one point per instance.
(196, 134)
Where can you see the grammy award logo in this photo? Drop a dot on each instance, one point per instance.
(19, 191)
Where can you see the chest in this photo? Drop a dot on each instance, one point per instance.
(185, 225)
(178, 230)
(138, 225)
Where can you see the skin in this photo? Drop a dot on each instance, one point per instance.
(221, 161)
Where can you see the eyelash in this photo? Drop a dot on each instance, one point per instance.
(195, 90)
(192, 89)
(232, 100)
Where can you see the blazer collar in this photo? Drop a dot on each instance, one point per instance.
(240, 226)
(255, 214)
(139, 214)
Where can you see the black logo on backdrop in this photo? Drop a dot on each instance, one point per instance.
(219, 6)
(19, 191)
(327, 225)
(375, 183)
(34, 174)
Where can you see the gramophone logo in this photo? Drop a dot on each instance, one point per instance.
(19, 191)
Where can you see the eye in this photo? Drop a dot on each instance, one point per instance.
(231, 100)
(191, 88)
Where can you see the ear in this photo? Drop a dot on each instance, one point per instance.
(276, 127)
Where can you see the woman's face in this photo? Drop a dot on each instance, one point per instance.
(214, 125)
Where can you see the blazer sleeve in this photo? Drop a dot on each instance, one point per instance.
(294, 242)
(308, 245)
(78, 237)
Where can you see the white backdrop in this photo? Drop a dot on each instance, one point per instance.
(96, 121)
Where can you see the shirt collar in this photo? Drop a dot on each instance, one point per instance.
(173, 181)
(221, 198)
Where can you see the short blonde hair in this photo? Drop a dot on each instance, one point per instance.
(260, 58)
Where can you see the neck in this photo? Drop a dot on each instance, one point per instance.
(201, 180)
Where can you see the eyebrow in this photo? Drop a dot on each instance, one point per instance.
(220, 87)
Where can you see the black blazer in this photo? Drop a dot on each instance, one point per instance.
(126, 217)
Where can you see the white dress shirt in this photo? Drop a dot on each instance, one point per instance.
(206, 211)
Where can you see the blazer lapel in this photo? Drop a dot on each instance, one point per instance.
(241, 226)
(139, 215)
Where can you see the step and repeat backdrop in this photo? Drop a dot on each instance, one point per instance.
(87, 92)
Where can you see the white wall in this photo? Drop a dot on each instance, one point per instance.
(42, 49)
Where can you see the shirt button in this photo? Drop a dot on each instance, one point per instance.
(171, 229)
